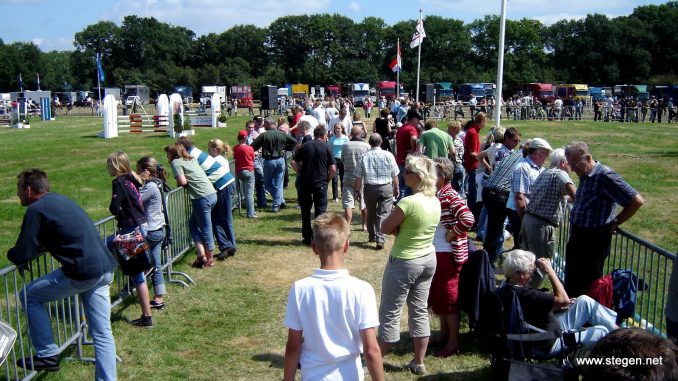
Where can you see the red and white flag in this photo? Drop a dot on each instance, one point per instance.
(396, 65)
(419, 35)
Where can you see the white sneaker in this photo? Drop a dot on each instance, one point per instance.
(507, 236)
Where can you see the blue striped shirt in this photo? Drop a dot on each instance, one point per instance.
(598, 192)
(219, 175)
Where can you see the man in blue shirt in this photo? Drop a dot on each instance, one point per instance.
(57, 224)
(592, 219)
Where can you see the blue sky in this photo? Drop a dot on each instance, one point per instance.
(51, 24)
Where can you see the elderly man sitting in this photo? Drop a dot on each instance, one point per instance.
(555, 311)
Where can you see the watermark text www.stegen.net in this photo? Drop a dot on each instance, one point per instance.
(620, 361)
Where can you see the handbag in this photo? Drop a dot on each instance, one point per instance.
(7, 339)
(132, 252)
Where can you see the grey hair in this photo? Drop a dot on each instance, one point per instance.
(517, 262)
(304, 125)
(375, 139)
(270, 121)
(445, 168)
(557, 157)
(577, 148)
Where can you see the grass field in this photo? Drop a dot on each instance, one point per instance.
(229, 326)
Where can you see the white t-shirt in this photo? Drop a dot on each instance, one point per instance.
(330, 113)
(331, 307)
(311, 120)
(346, 124)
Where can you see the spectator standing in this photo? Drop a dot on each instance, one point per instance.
(57, 224)
(316, 167)
(545, 211)
(189, 175)
(252, 128)
(273, 143)
(331, 316)
(435, 143)
(412, 263)
(593, 219)
(471, 151)
(351, 155)
(450, 242)
(454, 130)
(406, 143)
(377, 172)
(219, 174)
(154, 177)
(382, 126)
(244, 168)
(337, 141)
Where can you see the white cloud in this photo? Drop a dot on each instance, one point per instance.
(37, 41)
(554, 18)
(354, 6)
(206, 16)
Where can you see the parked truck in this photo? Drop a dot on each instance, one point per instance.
(243, 93)
(114, 91)
(300, 90)
(140, 91)
(186, 93)
(444, 91)
(387, 89)
(358, 92)
(468, 90)
(333, 91)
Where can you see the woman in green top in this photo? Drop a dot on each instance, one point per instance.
(412, 263)
(189, 175)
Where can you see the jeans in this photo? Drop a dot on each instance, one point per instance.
(200, 223)
(154, 240)
(222, 218)
(259, 181)
(472, 195)
(274, 172)
(482, 223)
(246, 178)
(495, 202)
(95, 296)
(585, 310)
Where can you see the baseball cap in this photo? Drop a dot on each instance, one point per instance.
(242, 134)
(540, 143)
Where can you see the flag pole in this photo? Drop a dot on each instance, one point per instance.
(99, 78)
(421, 41)
(500, 64)
(398, 72)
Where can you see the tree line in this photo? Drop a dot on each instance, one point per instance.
(328, 49)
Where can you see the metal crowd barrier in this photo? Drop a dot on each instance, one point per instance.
(67, 316)
(651, 263)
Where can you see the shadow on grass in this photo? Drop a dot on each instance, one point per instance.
(276, 360)
(475, 374)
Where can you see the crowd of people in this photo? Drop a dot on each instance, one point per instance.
(426, 186)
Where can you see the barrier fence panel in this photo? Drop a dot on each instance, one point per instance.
(651, 263)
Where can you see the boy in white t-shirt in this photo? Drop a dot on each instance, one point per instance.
(335, 313)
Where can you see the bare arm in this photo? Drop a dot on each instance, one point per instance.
(391, 223)
(560, 299)
(571, 191)
(372, 354)
(396, 186)
(292, 354)
(628, 211)
(181, 181)
(482, 156)
(521, 204)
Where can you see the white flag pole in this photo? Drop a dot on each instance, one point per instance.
(398, 72)
(99, 81)
(421, 41)
(500, 64)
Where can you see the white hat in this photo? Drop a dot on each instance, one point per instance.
(540, 143)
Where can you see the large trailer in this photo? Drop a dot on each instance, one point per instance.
(300, 90)
(114, 91)
(387, 89)
(333, 91)
(444, 91)
(186, 93)
(207, 92)
(243, 94)
(358, 92)
(140, 91)
(469, 90)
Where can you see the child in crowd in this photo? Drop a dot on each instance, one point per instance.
(128, 209)
(154, 177)
(334, 312)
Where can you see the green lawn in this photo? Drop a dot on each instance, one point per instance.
(229, 326)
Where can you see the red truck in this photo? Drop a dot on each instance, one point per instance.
(243, 94)
(387, 89)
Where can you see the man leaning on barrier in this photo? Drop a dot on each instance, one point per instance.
(57, 224)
